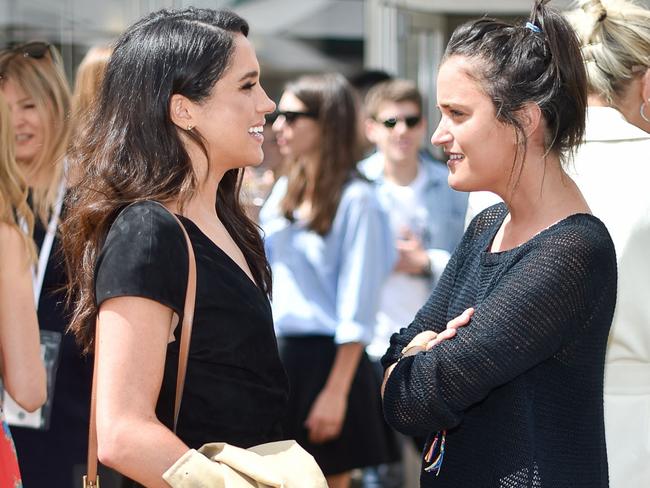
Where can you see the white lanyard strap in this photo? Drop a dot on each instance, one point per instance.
(38, 275)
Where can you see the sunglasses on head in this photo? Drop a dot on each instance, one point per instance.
(34, 49)
(291, 116)
(410, 121)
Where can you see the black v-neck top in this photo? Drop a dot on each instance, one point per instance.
(236, 388)
(519, 390)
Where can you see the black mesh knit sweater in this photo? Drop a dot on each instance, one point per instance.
(520, 388)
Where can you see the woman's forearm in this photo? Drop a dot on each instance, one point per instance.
(344, 367)
(142, 449)
(23, 372)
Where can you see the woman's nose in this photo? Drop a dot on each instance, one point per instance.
(441, 135)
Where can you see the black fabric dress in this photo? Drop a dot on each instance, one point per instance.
(236, 388)
(56, 457)
(519, 390)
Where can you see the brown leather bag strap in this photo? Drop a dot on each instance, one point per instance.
(186, 328)
(91, 480)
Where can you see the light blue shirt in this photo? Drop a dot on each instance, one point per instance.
(329, 285)
(444, 218)
(429, 210)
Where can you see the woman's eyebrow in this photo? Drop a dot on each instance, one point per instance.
(250, 74)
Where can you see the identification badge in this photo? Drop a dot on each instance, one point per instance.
(39, 419)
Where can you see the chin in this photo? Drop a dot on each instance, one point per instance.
(25, 159)
(256, 163)
(456, 183)
(284, 150)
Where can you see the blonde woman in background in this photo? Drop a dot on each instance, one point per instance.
(90, 74)
(612, 169)
(52, 442)
(21, 368)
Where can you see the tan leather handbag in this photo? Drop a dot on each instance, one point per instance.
(282, 464)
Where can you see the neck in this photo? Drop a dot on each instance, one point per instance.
(545, 195)
(596, 101)
(36, 178)
(542, 185)
(401, 173)
(310, 163)
(203, 205)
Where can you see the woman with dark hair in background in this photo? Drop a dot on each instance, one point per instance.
(612, 169)
(330, 249)
(179, 114)
(21, 368)
(51, 442)
(515, 397)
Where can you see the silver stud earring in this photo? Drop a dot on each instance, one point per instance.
(190, 127)
(642, 110)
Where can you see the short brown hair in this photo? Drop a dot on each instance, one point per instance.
(395, 91)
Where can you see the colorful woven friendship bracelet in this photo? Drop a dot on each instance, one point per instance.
(435, 461)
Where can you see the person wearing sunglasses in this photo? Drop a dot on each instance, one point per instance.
(426, 215)
(53, 440)
(329, 247)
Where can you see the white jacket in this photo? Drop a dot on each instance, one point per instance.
(612, 169)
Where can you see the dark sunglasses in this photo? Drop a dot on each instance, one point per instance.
(290, 116)
(410, 121)
(34, 49)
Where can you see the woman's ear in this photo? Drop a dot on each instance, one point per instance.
(645, 87)
(530, 116)
(180, 112)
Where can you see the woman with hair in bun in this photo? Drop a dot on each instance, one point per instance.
(612, 169)
(502, 368)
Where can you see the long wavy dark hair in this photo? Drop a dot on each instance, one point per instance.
(331, 97)
(129, 150)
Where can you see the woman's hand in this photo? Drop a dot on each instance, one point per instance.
(327, 413)
(427, 339)
(325, 419)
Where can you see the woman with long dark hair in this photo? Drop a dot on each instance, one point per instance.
(515, 397)
(179, 114)
(330, 249)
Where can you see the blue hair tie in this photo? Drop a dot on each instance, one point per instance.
(533, 27)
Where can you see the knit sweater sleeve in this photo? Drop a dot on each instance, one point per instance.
(540, 304)
(433, 315)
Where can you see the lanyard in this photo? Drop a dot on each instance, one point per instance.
(38, 273)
